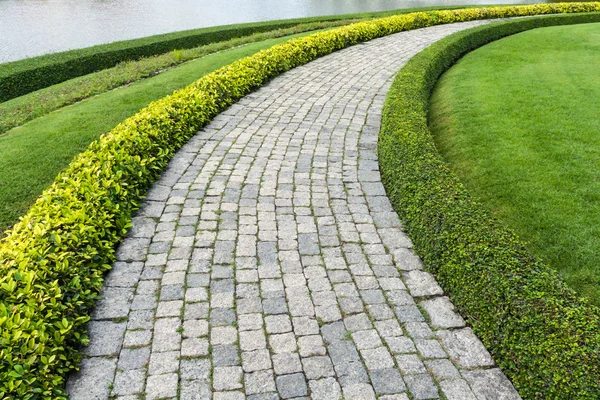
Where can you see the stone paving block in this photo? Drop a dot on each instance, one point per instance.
(278, 323)
(259, 382)
(286, 363)
(311, 346)
(194, 369)
(223, 335)
(422, 284)
(225, 355)
(114, 303)
(387, 381)
(366, 339)
(193, 311)
(129, 382)
(421, 386)
(137, 338)
(106, 338)
(220, 316)
(93, 380)
(133, 249)
(359, 391)
(194, 390)
(136, 358)
(430, 349)
(465, 348)
(256, 360)
(442, 369)
(357, 322)
(164, 362)
(252, 340)
(195, 328)
(457, 389)
(235, 395)
(293, 385)
(161, 386)
(406, 259)
(378, 358)
(318, 367)
(194, 347)
(305, 326)
(343, 353)
(227, 378)
(325, 389)
(410, 364)
(441, 313)
(402, 396)
(388, 328)
(491, 384)
(283, 343)
(408, 314)
(419, 330)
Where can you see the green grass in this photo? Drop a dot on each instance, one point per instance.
(20, 77)
(17, 111)
(518, 122)
(32, 155)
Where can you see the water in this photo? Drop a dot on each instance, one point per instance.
(33, 27)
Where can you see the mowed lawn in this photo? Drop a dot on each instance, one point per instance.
(518, 121)
(32, 155)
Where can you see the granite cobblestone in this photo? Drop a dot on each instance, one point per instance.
(267, 262)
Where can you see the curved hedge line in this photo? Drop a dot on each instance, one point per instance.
(52, 261)
(24, 76)
(544, 337)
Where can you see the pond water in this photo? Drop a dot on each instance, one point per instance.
(33, 27)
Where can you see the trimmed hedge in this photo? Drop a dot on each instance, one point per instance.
(53, 260)
(544, 337)
(24, 76)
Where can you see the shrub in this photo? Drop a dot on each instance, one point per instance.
(24, 76)
(545, 338)
(53, 260)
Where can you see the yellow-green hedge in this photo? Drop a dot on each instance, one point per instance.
(53, 260)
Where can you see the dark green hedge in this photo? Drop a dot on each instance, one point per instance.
(24, 76)
(544, 337)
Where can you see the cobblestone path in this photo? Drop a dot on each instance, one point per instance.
(268, 263)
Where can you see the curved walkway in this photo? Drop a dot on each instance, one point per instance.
(268, 263)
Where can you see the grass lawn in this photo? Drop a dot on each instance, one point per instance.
(32, 155)
(17, 111)
(518, 121)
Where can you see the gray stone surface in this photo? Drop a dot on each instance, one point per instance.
(465, 348)
(491, 384)
(267, 261)
(441, 313)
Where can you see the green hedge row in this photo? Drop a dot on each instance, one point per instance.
(545, 338)
(24, 76)
(53, 260)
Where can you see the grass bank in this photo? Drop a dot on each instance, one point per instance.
(32, 155)
(24, 76)
(16, 112)
(518, 122)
